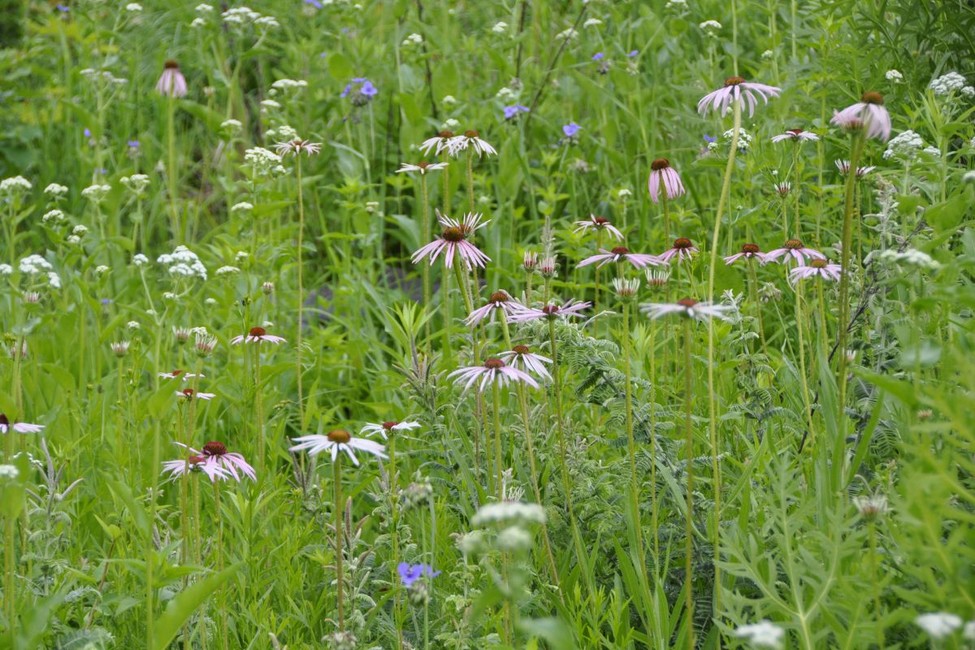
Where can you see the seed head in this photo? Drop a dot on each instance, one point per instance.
(750, 249)
(682, 243)
(453, 234)
(257, 331)
(620, 250)
(659, 163)
(214, 448)
(872, 97)
(687, 302)
(498, 296)
(734, 81)
(793, 244)
(340, 436)
(818, 263)
(520, 349)
(171, 65)
(494, 364)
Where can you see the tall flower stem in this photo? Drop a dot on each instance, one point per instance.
(425, 269)
(712, 398)
(689, 469)
(856, 149)
(803, 374)
(756, 301)
(301, 292)
(630, 440)
(171, 168)
(654, 512)
(797, 184)
(394, 537)
(339, 508)
(877, 588)
(496, 395)
(259, 409)
(533, 467)
(222, 597)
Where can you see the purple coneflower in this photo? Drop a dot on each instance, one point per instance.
(796, 135)
(869, 112)
(735, 89)
(619, 254)
(385, 428)
(189, 394)
(421, 168)
(492, 370)
(470, 140)
(550, 311)
(499, 300)
(438, 143)
(171, 83)
(521, 355)
(658, 277)
(748, 252)
(511, 112)
(688, 307)
(683, 249)
(214, 460)
(256, 335)
(661, 173)
(793, 248)
(816, 268)
(336, 441)
(297, 146)
(844, 167)
(19, 427)
(598, 224)
(453, 242)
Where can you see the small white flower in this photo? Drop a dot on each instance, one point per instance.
(267, 22)
(243, 206)
(894, 75)
(227, 270)
(947, 83)
(133, 325)
(450, 124)
(270, 103)
(768, 54)
(968, 632)
(509, 511)
(137, 183)
(710, 26)
(73, 239)
(934, 152)
(500, 27)
(139, 259)
(101, 269)
(53, 215)
(241, 256)
(514, 539)
(938, 625)
(448, 100)
(34, 265)
(592, 22)
(231, 126)
(567, 35)
(763, 634)
(204, 8)
(289, 84)
(6, 269)
(79, 230)
(133, 7)
(15, 185)
(198, 22)
(56, 190)
(912, 257)
(96, 192)
(54, 280)
(9, 472)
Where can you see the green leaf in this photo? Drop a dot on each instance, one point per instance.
(554, 631)
(902, 390)
(182, 606)
(947, 214)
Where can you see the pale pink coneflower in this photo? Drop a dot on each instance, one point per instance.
(492, 370)
(214, 460)
(869, 113)
(748, 252)
(171, 83)
(793, 248)
(735, 89)
(296, 147)
(453, 242)
(597, 224)
(179, 373)
(190, 394)
(438, 143)
(661, 173)
(520, 356)
(256, 335)
(336, 441)
(689, 308)
(470, 140)
(844, 167)
(683, 249)
(621, 254)
(796, 135)
(385, 429)
(816, 268)
(19, 427)
(550, 311)
(422, 168)
(498, 300)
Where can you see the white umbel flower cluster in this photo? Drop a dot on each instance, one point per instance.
(15, 185)
(509, 512)
(182, 261)
(904, 145)
(911, 257)
(950, 83)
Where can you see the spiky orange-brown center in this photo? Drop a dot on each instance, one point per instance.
(734, 81)
(171, 65)
(341, 436)
(620, 250)
(873, 97)
(750, 249)
(818, 263)
(520, 349)
(494, 364)
(498, 296)
(683, 243)
(257, 331)
(453, 234)
(214, 448)
(687, 302)
(793, 244)
(659, 163)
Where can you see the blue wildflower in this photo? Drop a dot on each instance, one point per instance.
(314, 3)
(710, 138)
(598, 56)
(571, 129)
(633, 53)
(63, 8)
(410, 573)
(512, 111)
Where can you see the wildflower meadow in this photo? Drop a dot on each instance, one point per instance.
(514, 324)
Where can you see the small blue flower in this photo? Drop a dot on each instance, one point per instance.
(512, 111)
(87, 133)
(633, 53)
(598, 56)
(360, 90)
(571, 129)
(314, 3)
(134, 144)
(63, 8)
(410, 573)
(710, 138)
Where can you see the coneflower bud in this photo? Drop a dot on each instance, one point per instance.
(547, 267)
(120, 348)
(267, 288)
(657, 277)
(182, 334)
(530, 261)
(32, 297)
(205, 344)
(625, 289)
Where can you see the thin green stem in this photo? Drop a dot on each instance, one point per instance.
(856, 149)
(338, 507)
(301, 294)
(630, 439)
(689, 469)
